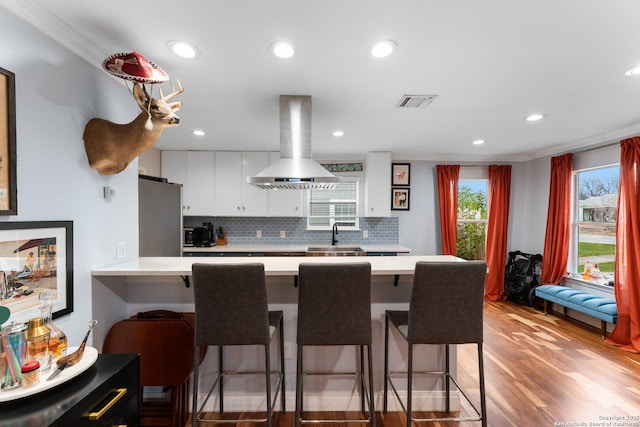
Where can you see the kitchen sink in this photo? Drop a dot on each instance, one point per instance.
(335, 251)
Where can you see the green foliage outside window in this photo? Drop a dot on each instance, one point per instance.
(472, 223)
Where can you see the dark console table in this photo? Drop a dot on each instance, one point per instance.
(106, 394)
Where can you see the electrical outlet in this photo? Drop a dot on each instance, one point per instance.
(365, 234)
(283, 234)
(258, 233)
(121, 249)
(287, 350)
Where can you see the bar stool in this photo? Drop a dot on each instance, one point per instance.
(445, 309)
(334, 309)
(231, 309)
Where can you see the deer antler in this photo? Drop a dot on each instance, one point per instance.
(175, 92)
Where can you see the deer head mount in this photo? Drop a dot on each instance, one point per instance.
(111, 147)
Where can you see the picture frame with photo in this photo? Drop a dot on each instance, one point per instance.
(400, 174)
(35, 257)
(8, 176)
(400, 199)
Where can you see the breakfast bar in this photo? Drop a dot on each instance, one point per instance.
(123, 289)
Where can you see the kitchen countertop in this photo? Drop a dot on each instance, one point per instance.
(274, 266)
(291, 248)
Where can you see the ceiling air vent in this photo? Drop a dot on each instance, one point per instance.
(415, 101)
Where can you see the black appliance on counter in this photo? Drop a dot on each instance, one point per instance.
(201, 236)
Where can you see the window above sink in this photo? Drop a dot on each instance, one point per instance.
(338, 206)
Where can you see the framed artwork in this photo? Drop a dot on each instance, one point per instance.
(400, 199)
(34, 257)
(400, 174)
(8, 189)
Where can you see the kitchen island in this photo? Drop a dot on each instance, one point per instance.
(123, 289)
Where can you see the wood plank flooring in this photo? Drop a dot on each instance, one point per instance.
(540, 371)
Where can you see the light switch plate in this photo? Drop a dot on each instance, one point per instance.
(121, 249)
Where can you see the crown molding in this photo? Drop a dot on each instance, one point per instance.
(52, 26)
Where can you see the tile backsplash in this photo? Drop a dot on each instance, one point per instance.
(242, 231)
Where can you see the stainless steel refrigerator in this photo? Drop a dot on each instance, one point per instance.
(159, 217)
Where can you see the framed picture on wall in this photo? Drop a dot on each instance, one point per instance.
(8, 190)
(400, 199)
(400, 174)
(36, 257)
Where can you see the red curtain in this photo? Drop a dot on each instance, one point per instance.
(557, 236)
(626, 333)
(448, 197)
(499, 192)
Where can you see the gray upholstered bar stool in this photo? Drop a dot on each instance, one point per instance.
(230, 310)
(445, 309)
(334, 309)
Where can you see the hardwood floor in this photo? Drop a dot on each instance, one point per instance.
(541, 371)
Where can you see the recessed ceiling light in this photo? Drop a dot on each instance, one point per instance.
(534, 117)
(383, 48)
(338, 133)
(198, 132)
(183, 49)
(633, 72)
(283, 49)
(478, 142)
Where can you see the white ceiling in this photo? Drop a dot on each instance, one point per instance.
(491, 63)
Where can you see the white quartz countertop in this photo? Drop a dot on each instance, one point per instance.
(291, 248)
(274, 266)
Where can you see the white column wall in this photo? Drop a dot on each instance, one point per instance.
(57, 92)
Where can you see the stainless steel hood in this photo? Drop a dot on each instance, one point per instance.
(295, 170)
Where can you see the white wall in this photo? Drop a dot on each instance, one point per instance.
(57, 93)
(528, 205)
(420, 225)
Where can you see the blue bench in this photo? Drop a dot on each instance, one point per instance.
(592, 305)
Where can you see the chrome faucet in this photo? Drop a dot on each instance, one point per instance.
(334, 232)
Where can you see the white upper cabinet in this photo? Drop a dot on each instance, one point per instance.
(284, 202)
(378, 184)
(234, 196)
(195, 171)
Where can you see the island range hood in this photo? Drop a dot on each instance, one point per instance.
(295, 170)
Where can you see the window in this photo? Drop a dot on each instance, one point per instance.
(594, 229)
(338, 206)
(472, 218)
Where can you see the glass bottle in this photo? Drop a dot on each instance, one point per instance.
(38, 343)
(57, 338)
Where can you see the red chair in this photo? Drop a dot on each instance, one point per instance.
(164, 340)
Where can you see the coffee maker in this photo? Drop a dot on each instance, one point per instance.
(204, 236)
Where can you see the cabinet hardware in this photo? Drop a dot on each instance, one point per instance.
(119, 394)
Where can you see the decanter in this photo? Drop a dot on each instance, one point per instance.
(57, 338)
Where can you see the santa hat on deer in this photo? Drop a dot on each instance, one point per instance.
(134, 66)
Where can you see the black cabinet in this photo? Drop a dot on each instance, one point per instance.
(106, 394)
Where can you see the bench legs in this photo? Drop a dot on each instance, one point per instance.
(603, 323)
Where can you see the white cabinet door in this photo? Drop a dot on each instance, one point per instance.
(228, 185)
(378, 185)
(195, 171)
(234, 197)
(173, 166)
(255, 200)
(284, 202)
(200, 183)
